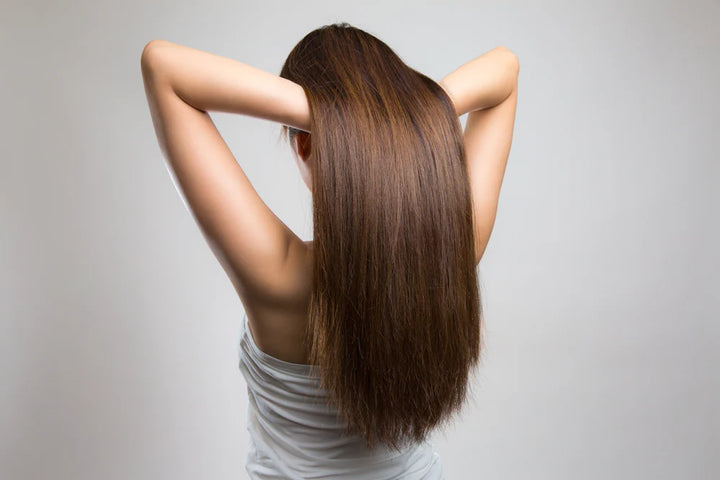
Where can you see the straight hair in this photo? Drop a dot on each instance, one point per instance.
(395, 315)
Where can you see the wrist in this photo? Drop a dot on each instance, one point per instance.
(300, 109)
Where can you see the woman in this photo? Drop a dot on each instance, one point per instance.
(359, 343)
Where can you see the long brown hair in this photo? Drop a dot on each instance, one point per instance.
(395, 312)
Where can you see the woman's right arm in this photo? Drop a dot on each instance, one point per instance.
(486, 89)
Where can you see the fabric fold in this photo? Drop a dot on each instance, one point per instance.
(296, 435)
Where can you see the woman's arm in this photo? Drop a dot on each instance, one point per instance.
(256, 249)
(210, 82)
(483, 82)
(486, 89)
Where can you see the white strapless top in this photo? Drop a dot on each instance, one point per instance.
(294, 435)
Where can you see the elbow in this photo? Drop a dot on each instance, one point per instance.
(149, 55)
(513, 60)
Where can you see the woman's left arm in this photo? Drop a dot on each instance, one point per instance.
(182, 84)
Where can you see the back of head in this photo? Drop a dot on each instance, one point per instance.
(395, 312)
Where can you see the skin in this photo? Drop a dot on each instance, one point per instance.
(269, 266)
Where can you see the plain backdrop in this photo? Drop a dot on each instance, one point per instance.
(118, 333)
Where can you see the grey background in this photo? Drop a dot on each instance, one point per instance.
(118, 354)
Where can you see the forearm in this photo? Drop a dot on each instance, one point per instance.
(210, 82)
(482, 82)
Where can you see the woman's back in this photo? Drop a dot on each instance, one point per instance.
(294, 434)
(385, 301)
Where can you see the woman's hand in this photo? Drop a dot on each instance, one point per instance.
(210, 82)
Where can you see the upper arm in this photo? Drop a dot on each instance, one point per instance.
(248, 239)
(488, 135)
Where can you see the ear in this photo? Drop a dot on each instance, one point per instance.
(304, 144)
